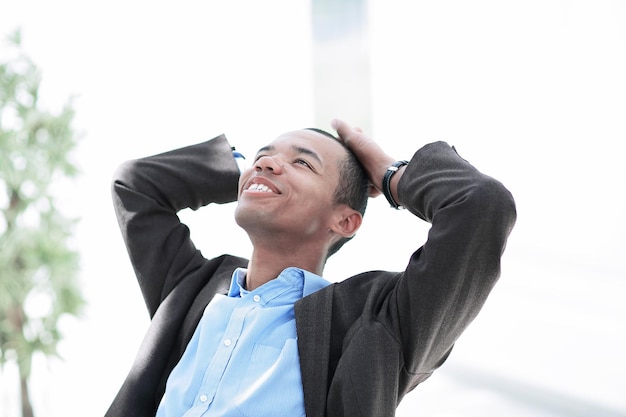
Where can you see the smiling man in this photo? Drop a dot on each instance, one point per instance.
(269, 336)
(287, 204)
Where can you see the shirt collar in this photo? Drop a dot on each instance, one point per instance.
(312, 283)
(306, 281)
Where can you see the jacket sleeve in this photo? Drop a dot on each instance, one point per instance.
(449, 278)
(148, 193)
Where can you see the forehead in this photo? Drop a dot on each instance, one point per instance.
(307, 141)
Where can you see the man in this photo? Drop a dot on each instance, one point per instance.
(269, 336)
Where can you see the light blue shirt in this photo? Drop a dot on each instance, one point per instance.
(243, 357)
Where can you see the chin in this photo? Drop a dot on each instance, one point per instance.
(248, 217)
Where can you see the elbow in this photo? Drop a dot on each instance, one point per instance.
(123, 175)
(494, 202)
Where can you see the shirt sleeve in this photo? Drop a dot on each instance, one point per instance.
(240, 159)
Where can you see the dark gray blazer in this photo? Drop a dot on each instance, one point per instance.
(364, 342)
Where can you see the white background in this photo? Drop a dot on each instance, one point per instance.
(532, 92)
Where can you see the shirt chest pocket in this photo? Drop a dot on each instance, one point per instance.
(272, 384)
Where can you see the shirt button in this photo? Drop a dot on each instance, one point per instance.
(256, 298)
(203, 398)
(227, 342)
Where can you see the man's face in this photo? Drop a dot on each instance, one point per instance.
(288, 191)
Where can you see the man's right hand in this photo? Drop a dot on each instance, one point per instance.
(370, 154)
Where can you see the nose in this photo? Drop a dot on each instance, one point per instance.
(268, 163)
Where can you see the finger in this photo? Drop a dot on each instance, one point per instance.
(373, 191)
(344, 130)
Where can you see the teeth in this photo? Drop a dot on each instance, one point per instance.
(260, 188)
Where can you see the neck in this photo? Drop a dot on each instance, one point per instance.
(267, 262)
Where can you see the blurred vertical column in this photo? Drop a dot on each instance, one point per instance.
(341, 62)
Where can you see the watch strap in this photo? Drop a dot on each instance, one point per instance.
(387, 183)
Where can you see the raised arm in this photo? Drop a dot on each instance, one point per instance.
(448, 279)
(147, 194)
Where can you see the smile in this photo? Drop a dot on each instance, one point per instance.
(259, 184)
(262, 188)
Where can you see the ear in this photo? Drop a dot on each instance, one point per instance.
(346, 221)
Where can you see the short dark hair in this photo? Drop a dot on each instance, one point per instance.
(352, 188)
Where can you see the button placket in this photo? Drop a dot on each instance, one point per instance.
(222, 356)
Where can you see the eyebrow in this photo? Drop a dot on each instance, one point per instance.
(297, 149)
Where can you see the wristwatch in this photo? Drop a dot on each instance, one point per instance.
(387, 182)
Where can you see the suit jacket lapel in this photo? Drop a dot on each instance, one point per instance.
(313, 325)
